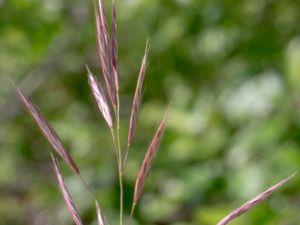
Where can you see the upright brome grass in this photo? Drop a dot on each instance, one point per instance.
(108, 57)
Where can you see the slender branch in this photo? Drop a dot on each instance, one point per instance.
(115, 146)
(131, 213)
(121, 197)
(125, 158)
(115, 137)
(119, 153)
(120, 164)
(88, 187)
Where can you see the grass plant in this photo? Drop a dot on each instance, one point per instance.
(108, 103)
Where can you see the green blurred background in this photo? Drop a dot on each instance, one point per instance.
(231, 70)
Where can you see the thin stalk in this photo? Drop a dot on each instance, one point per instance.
(118, 146)
(88, 187)
(131, 213)
(121, 197)
(125, 158)
(120, 174)
(117, 112)
(115, 145)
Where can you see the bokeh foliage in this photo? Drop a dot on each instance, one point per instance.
(231, 70)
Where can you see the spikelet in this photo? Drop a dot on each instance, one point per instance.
(148, 159)
(100, 220)
(252, 202)
(114, 48)
(104, 50)
(65, 192)
(137, 97)
(100, 98)
(48, 131)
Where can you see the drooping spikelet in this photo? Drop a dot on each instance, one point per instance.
(48, 131)
(65, 192)
(252, 202)
(100, 220)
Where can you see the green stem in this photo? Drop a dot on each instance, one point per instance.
(119, 153)
(115, 146)
(87, 187)
(125, 158)
(131, 214)
(121, 197)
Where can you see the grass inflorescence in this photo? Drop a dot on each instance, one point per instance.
(108, 103)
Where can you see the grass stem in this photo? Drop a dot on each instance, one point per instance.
(131, 213)
(125, 158)
(119, 153)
